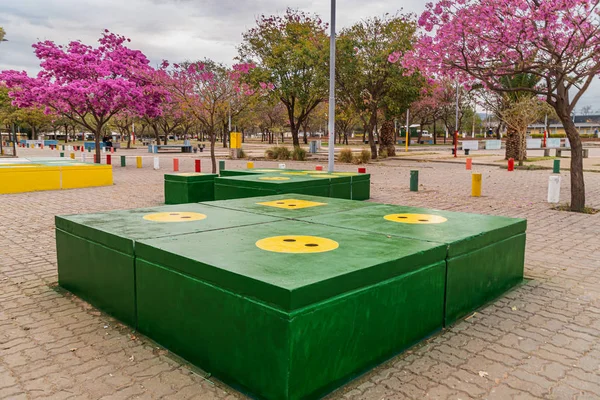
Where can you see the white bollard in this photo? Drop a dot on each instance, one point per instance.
(82, 157)
(281, 166)
(156, 163)
(104, 149)
(554, 189)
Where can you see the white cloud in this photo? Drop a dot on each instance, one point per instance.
(175, 30)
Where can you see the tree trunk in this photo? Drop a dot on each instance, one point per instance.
(97, 142)
(295, 136)
(224, 136)
(156, 133)
(66, 133)
(577, 180)
(522, 149)
(370, 128)
(512, 144)
(213, 160)
(386, 138)
(434, 132)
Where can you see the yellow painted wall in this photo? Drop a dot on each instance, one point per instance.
(21, 179)
(86, 176)
(33, 178)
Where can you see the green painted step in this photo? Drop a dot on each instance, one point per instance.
(291, 205)
(237, 187)
(189, 188)
(288, 325)
(485, 254)
(96, 258)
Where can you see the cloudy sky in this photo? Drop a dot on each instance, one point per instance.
(175, 30)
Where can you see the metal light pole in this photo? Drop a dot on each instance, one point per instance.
(456, 125)
(331, 162)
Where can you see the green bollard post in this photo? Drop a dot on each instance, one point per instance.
(556, 169)
(414, 181)
(123, 161)
(221, 166)
(62, 154)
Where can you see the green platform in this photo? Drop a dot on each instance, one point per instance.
(485, 254)
(96, 252)
(282, 325)
(285, 325)
(292, 206)
(237, 187)
(189, 188)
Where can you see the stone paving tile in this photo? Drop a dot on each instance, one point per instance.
(540, 341)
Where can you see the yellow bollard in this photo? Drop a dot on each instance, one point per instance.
(72, 156)
(138, 160)
(476, 185)
(250, 165)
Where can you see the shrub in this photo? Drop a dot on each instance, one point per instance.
(299, 154)
(363, 158)
(278, 153)
(345, 156)
(242, 154)
(383, 153)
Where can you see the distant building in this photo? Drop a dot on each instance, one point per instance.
(584, 128)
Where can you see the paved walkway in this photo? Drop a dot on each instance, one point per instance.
(542, 340)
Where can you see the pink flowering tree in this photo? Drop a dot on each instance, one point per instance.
(485, 41)
(205, 90)
(88, 85)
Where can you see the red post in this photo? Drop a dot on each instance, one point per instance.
(42, 146)
(198, 166)
(108, 159)
(511, 164)
(545, 136)
(112, 149)
(362, 170)
(95, 159)
(175, 165)
(469, 164)
(319, 168)
(455, 144)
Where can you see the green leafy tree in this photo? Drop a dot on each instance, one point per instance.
(368, 79)
(291, 56)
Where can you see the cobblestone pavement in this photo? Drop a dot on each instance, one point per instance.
(541, 340)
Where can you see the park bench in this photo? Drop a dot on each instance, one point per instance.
(184, 148)
(585, 152)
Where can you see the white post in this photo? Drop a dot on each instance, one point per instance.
(82, 157)
(156, 163)
(554, 189)
(330, 165)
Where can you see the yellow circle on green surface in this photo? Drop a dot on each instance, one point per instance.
(274, 178)
(416, 218)
(175, 216)
(315, 172)
(297, 244)
(293, 173)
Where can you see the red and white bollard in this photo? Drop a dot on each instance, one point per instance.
(108, 159)
(198, 166)
(175, 165)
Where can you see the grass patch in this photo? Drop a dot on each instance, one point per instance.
(567, 207)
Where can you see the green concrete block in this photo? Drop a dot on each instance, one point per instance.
(237, 187)
(291, 205)
(189, 188)
(239, 172)
(96, 258)
(283, 325)
(485, 255)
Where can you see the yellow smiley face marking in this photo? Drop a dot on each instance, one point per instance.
(416, 218)
(294, 173)
(292, 204)
(274, 178)
(175, 216)
(297, 244)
